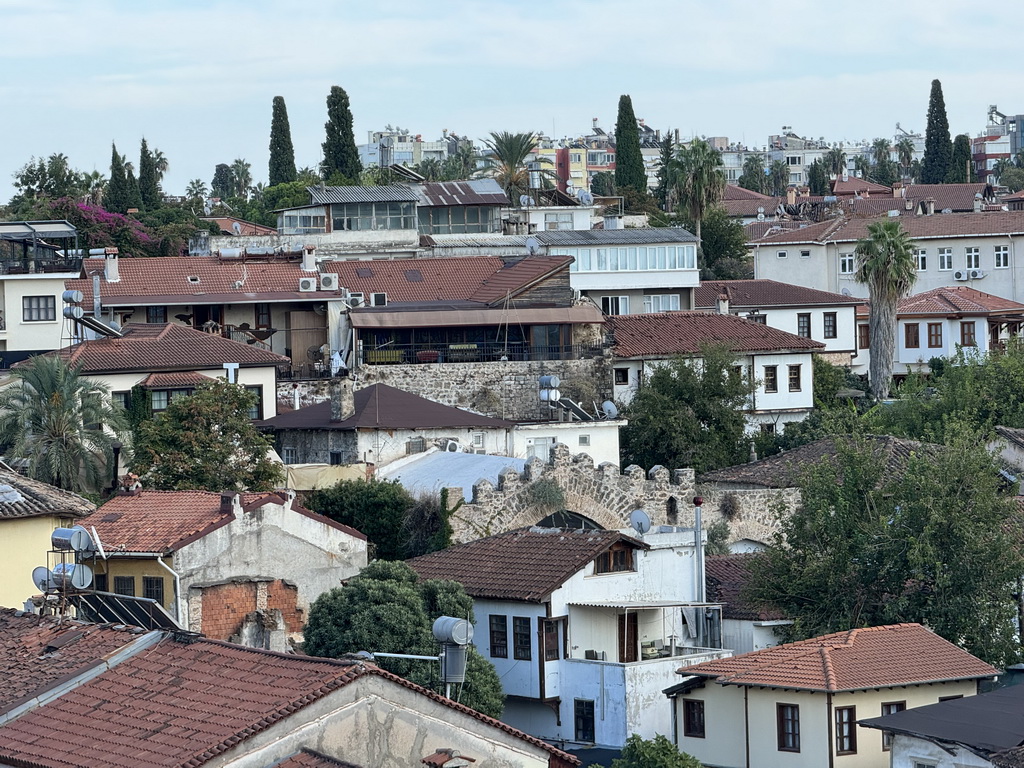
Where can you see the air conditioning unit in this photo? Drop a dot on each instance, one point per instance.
(307, 284)
(977, 274)
(960, 274)
(452, 446)
(356, 300)
(329, 282)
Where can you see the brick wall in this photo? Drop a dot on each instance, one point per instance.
(219, 610)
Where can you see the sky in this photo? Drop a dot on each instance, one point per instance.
(197, 79)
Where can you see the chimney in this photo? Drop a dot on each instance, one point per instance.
(229, 501)
(929, 206)
(846, 175)
(790, 195)
(977, 204)
(723, 303)
(309, 258)
(110, 273)
(343, 404)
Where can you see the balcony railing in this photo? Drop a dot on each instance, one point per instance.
(405, 354)
(38, 265)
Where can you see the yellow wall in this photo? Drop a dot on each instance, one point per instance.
(24, 545)
(137, 568)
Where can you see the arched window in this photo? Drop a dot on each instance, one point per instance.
(566, 519)
(672, 511)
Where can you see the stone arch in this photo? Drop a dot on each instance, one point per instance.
(566, 518)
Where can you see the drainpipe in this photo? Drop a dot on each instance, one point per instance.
(180, 610)
(746, 723)
(831, 735)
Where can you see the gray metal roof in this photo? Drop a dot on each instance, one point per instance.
(471, 192)
(434, 471)
(637, 236)
(29, 230)
(342, 195)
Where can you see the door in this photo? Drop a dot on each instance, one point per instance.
(627, 637)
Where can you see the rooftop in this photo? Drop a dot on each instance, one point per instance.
(630, 235)
(395, 193)
(855, 660)
(954, 300)
(450, 193)
(684, 333)
(22, 496)
(428, 473)
(526, 564)
(851, 229)
(727, 577)
(755, 294)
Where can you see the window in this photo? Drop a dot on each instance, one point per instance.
(289, 455)
(618, 558)
(934, 335)
(499, 636)
(794, 378)
(584, 712)
(622, 375)
(156, 314)
(846, 730)
(36, 309)
(256, 410)
(336, 458)
(1002, 256)
(921, 259)
(831, 325)
(550, 629)
(158, 400)
(100, 583)
(124, 585)
(864, 336)
(912, 335)
(950, 698)
(262, 312)
(368, 216)
(693, 718)
(585, 440)
(121, 399)
(521, 639)
(847, 263)
(967, 337)
(803, 324)
(788, 719)
(378, 299)
(757, 318)
(782, 254)
(557, 221)
(805, 254)
(945, 259)
(615, 305)
(153, 588)
(890, 708)
(973, 258)
(768, 429)
(771, 378)
(665, 302)
(793, 160)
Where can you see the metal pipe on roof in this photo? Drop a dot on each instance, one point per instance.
(180, 608)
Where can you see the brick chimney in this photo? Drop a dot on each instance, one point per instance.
(929, 206)
(343, 404)
(790, 195)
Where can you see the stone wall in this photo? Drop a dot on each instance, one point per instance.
(220, 610)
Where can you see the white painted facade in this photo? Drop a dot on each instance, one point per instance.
(937, 336)
(597, 439)
(741, 724)
(624, 697)
(788, 319)
(913, 752)
(24, 297)
(545, 218)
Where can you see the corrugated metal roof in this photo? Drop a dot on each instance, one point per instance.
(639, 236)
(472, 192)
(341, 195)
(27, 230)
(435, 471)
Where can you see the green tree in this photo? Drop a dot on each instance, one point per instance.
(507, 162)
(698, 180)
(134, 193)
(388, 609)
(223, 184)
(885, 263)
(930, 545)
(197, 190)
(117, 197)
(834, 161)
(341, 158)
(51, 178)
(723, 248)
(241, 178)
(629, 161)
(282, 153)
(462, 163)
(938, 149)
(689, 413)
(905, 154)
(1012, 179)
(754, 176)
(603, 184)
(667, 149)
(960, 164)
(778, 178)
(61, 422)
(149, 185)
(817, 178)
(658, 752)
(377, 508)
(206, 441)
(161, 164)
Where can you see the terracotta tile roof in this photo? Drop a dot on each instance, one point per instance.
(164, 521)
(856, 660)
(226, 224)
(957, 300)
(736, 192)
(852, 229)
(526, 564)
(37, 653)
(307, 758)
(22, 496)
(187, 701)
(727, 577)
(759, 229)
(165, 346)
(756, 294)
(174, 380)
(749, 207)
(853, 186)
(683, 333)
(382, 407)
(958, 197)
(783, 470)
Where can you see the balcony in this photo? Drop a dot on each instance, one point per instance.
(39, 263)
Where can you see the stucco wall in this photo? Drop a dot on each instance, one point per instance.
(24, 544)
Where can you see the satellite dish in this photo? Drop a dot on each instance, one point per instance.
(43, 579)
(846, 292)
(585, 197)
(532, 246)
(236, 227)
(609, 409)
(640, 521)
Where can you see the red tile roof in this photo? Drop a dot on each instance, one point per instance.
(856, 660)
(727, 577)
(37, 653)
(683, 333)
(749, 207)
(175, 380)
(957, 300)
(526, 564)
(22, 496)
(163, 347)
(164, 521)
(852, 229)
(765, 293)
(187, 701)
(852, 186)
(736, 192)
(957, 197)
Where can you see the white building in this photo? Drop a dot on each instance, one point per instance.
(585, 627)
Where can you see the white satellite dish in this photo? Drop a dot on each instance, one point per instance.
(846, 292)
(609, 409)
(585, 197)
(640, 521)
(532, 246)
(526, 201)
(236, 227)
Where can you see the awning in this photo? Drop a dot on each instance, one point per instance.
(456, 317)
(30, 230)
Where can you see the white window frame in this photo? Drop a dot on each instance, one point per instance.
(782, 254)
(945, 259)
(921, 259)
(1002, 257)
(972, 257)
(621, 305)
(847, 263)
(584, 440)
(661, 302)
(378, 299)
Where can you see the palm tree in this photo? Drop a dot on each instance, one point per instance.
(241, 173)
(429, 169)
(461, 164)
(905, 154)
(696, 176)
(94, 185)
(507, 162)
(160, 163)
(880, 151)
(197, 190)
(835, 161)
(63, 424)
(885, 263)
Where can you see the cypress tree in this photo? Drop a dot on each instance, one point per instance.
(223, 184)
(282, 153)
(116, 196)
(629, 162)
(340, 155)
(668, 150)
(938, 149)
(149, 188)
(960, 168)
(134, 194)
